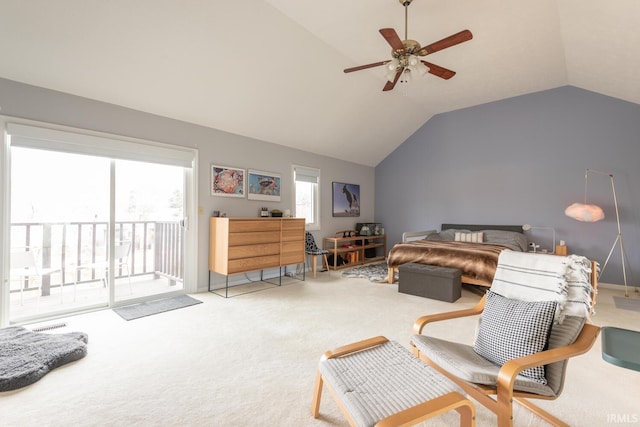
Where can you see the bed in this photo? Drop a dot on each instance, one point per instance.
(471, 248)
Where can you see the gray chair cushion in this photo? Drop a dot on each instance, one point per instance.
(561, 335)
(462, 361)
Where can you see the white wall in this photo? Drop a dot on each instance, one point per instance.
(214, 146)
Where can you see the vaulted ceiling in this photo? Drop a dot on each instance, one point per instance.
(272, 69)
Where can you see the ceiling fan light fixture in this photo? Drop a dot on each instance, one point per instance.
(417, 66)
(393, 65)
(392, 69)
(405, 54)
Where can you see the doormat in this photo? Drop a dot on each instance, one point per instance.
(374, 272)
(627, 303)
(27, 356)
(144, 309)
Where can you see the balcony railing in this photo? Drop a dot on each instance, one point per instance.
(156, 248)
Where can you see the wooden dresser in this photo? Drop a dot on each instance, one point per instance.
(239, 245)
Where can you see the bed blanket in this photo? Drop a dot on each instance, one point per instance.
(475, 260)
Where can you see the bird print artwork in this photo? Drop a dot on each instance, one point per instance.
(352, 198)
(346, 199)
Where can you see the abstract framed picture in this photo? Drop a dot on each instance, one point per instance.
(263, 186)
(346, 199)
(227, 181)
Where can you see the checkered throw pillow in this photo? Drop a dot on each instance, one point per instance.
(511, 328)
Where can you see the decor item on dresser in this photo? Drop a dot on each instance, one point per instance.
(263, 186)
(593, 213)
(477, 261)
(346, 199)
(227, 181)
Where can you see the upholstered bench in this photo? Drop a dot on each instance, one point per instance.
(377, 382)
(430, 281)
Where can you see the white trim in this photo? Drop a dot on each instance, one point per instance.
(4, 226)
(112, 146)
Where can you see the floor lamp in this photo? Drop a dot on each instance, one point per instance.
(592, 213)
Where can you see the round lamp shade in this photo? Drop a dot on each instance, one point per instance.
(584, 212)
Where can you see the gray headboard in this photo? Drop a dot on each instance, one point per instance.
(476, 227)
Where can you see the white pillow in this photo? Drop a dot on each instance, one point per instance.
(476, 237)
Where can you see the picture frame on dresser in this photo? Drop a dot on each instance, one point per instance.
(264, 185)
(346, 199)
(227, 181)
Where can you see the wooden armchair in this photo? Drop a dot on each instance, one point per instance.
(496, 387)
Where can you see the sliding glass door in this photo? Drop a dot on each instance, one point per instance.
(59, 221)
(148, 238)
(94, 222)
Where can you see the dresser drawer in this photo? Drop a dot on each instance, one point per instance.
(292, 253)
(289, 235)
(258, 237)
(293, 224)
(254, 225)
(254, 263)
(252, 251)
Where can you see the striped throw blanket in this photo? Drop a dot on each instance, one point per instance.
(542, 277)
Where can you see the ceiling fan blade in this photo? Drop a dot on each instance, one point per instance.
(452, 40)
(392, 38)
(439, 71)
(390, 85)
(364, 67)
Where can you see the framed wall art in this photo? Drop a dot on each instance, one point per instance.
(263, 186)
(227, 181)
(346, 199)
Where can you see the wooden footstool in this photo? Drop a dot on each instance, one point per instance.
(377, 382)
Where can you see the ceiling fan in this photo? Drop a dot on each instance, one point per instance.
(405, 54)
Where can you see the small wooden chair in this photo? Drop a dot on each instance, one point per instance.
(313, 250)
(496, 387)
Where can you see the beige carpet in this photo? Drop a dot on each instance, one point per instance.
(251, 361)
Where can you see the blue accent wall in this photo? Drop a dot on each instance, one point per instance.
(522, 161)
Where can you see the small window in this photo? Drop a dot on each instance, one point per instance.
(306, 183)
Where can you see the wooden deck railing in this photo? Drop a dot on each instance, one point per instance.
(156, 248)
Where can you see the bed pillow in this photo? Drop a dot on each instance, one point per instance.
(511, 239)
(450, 233)
(511, 328)
(475, 237)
